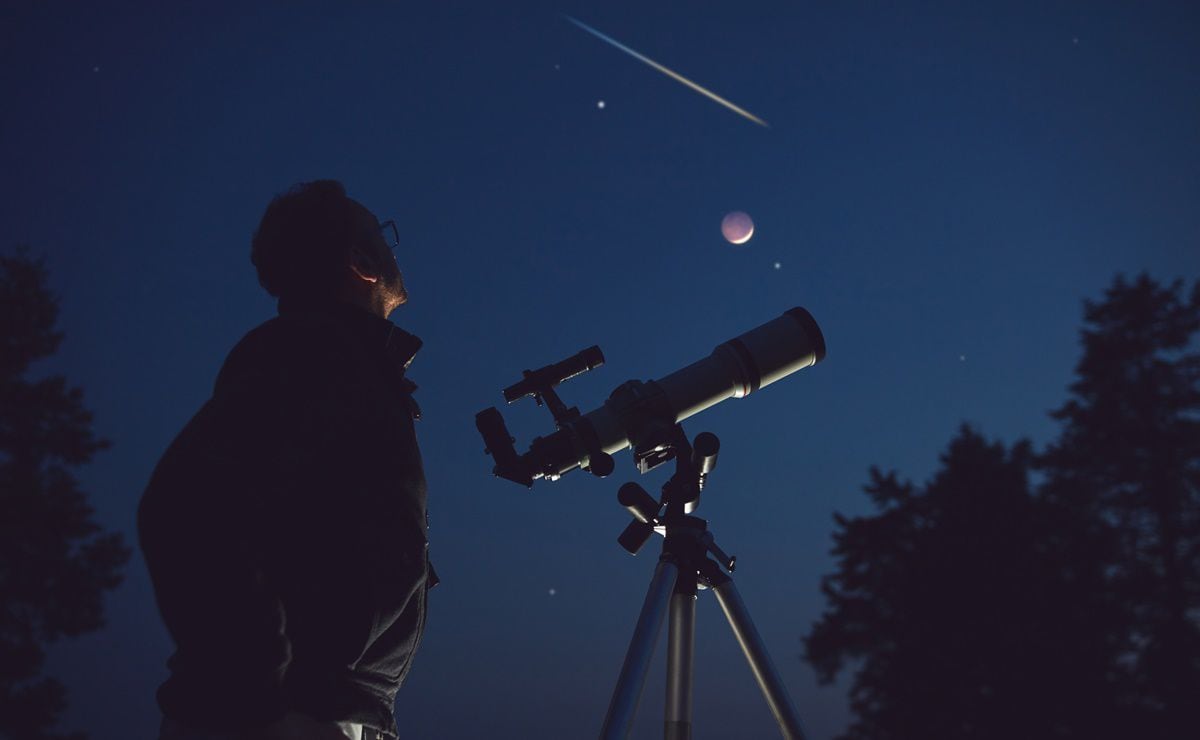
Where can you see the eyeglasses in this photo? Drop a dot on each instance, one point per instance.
(391, 235)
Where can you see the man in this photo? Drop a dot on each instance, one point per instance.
(285, 527)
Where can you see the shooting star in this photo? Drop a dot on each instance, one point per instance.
(670, 73)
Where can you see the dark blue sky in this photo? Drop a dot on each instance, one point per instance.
(941, 185)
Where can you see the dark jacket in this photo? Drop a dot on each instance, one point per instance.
(285, 527)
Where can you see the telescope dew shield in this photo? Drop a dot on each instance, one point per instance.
(745, 364)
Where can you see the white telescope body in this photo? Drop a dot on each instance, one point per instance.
(735, 369)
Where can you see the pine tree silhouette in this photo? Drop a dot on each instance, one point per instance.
(1129, 456)
(55, 563)
(975, 607)
(961, 621)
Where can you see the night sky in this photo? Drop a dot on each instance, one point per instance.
(941, 187)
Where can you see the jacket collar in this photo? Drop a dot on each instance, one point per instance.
(399, 346)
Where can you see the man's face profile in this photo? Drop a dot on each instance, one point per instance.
(379, 257)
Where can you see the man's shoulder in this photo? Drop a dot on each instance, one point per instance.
(285, 350)
(263, 343)
(261, 357)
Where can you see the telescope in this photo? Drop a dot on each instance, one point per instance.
(642, 415)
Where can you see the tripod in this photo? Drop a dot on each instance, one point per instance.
(683, 569)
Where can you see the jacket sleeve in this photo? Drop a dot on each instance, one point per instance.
(200, 523)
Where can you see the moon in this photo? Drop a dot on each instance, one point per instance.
(737, 227)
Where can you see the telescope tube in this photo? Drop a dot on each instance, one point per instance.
(743, 365)
(735, 369)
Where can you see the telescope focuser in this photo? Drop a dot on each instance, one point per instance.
(540, 384)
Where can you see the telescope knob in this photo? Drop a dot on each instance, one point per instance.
(704, 452)
(601, 464)
(638, 503)
(634, 536)
(728, 562)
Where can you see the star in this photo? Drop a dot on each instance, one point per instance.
(778, 265)
(1075, 40)
(553, 591)
(95, 69)
(962, 358)
(600, 104)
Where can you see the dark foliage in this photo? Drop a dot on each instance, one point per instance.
(55, 563)
(1129, 456)
(975, 607)
(961, 619)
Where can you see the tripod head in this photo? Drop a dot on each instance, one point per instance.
(669, 516)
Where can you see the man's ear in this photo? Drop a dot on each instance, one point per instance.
(363, 266)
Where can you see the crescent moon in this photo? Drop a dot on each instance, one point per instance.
(737, 227)
(745, 238)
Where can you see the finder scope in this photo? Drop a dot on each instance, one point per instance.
(638, 413)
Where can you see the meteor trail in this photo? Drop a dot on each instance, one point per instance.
(670, 73)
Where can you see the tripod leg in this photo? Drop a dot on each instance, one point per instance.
(681, 643)
(641, 649)
(756, 654)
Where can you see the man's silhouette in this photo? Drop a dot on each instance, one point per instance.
(285, 527)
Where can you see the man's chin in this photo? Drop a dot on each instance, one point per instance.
(400, 293)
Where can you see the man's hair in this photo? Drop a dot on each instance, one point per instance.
(301, 241)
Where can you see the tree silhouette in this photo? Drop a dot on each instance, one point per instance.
(55, 563)
(1129, 456)
(964, 621)
(978, 609)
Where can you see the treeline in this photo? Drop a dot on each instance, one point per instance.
(56, 562)
(1040, 594)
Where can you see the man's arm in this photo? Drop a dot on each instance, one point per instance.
(200, 522)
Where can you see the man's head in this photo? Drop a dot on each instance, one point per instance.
(315, 242)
